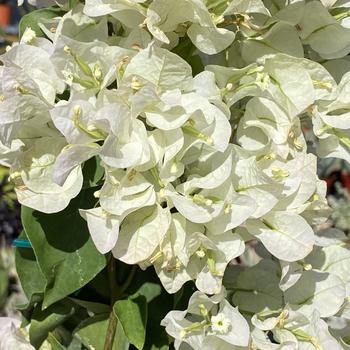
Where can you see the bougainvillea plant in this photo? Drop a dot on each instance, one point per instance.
(169, 192)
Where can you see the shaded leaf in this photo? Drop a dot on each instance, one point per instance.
(65, 252)
(93, 172)
(44, 321)
(33, 19)
(92, 333)
(132, 315)
(55, 344)
(150, 291)
(32, 279)
(96, 308)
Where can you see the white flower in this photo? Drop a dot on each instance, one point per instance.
(28, 36)
(220, 323)
(216, 321)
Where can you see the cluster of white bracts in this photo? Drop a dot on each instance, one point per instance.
(195, 166)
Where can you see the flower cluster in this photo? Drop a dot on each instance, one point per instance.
(197, 169)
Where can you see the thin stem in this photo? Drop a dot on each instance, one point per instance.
(111, 330)
(129, 279)
(113, 285)
(112, 324)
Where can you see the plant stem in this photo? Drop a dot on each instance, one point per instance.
(111, 330)
(113, 285)
(128, 281)
(112, 324)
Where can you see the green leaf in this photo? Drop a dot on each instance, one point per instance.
(4, 173)
(98, 288)
(32, 279)
(156, 337)
(185, 48)
(96, 308)
(44, 321)
(182, 297)
(3, 286)
(33, 19)
(55, 344)
(150, 291)
(75, 344)
(72, 3)
(93, 172)
(196, 64)
(146, 283)
(132, 314)
(64, 250)
(92, 333)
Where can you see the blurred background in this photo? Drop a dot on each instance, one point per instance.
(10, 15)
(10, 227)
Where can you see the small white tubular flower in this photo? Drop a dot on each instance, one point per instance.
(262, 80)
(93, 64)
(217, 322)
(220, 324)
(208, 124)
(76, 120)
(28, 36)
(219, 249)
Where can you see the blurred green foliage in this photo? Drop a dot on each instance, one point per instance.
(7, 193)
(341, 208)
(11, 294)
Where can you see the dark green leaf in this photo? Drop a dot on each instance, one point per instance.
(93, 172)
(132, 315)
(75, 344)
(3, 286)
(32, 19)
(183, 295)
(98, 288)
(146, 283)
(63, 247)
(150, 291)
(55, 344)
(32, 280)
(92, 333)
(96, 308)
(185, 48)
(45, 321)
(72, 3)
(196, 63)
(156, 337)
